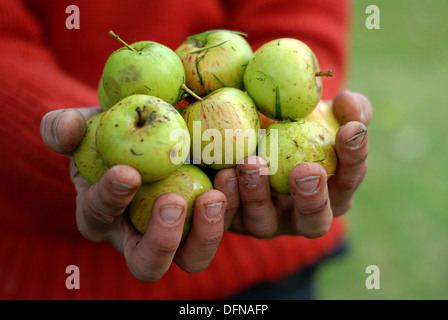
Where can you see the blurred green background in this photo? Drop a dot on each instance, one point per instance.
(399, 220)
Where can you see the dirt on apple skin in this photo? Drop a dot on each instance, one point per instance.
(137, 132)
(224, 111)
(281, 79)
(150, 68)
(214, 59)
(301, 140)
(188, 181)
(87, 158)
(323, 114)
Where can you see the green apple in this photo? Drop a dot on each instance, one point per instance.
(298, 141)
(144, 67)
(224, 128)
(137, 132)
(324, 115)
(214, 59)
(87, 158)
(189, 181)
(284, 80)
(105, 103)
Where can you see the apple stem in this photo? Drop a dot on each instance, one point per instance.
(328, 73)
(141, 120)
(121, 41)
(189, 91)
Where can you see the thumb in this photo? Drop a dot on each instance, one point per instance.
(100, 205)
(63, 130)
(352, 106)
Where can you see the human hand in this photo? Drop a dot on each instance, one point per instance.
(314, 201)
(100, 209)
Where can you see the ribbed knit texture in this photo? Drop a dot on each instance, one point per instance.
(44, 66)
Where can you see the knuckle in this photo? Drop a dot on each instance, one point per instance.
(165, 248)
(354, 160)
(350, 183)
(263, 233)
(254, 203)
(211, 240)
(101, 216)
(350, 178)
(145, 276)
(262, 230)
(340, 209)
(313, 208)
(194, 267)
(316, 233)
(96, 212)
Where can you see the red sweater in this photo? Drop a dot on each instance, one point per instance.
(44, 66)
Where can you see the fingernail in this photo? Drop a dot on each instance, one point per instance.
(232, 184)
(121, 187)
(213, 211)
(308, 184)
(55, 126)
(251, 177)
(356, 140)
(170, 214)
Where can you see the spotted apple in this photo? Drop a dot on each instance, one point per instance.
(214, 59)
(189, 181)
(284, 79)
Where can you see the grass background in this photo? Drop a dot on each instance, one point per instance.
(399, 220)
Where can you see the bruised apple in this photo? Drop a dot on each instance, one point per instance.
(137, 132)
(144, 67)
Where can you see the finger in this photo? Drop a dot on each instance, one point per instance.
(312, 213)
(352, 106)
(352, 149)
(106, 200)
(81, 185)
(226, 181)
(63, 130)
(89, 112)
(207, 229)
(259, 214)
(149, 256)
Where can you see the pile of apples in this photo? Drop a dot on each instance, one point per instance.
(170, 114)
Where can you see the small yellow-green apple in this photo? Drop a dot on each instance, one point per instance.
(137, 131)
(300, 140)
(323, 113)
(284, 80)
(223, 127)
(214, 59)
(144, 67)
(104, 101)
(87, 158)
(189, 181)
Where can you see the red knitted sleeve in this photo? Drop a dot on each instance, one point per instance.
(32, 85)
(38, 234)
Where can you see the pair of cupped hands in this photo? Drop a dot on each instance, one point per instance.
(241, 201)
